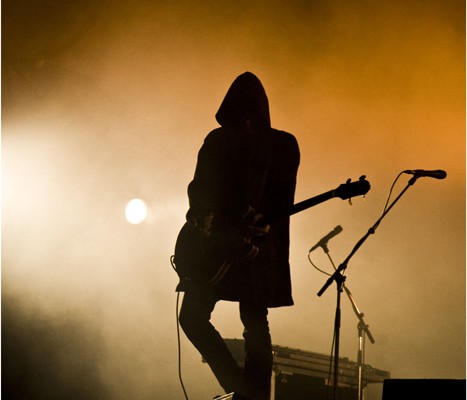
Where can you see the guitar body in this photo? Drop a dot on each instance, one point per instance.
(203, 260)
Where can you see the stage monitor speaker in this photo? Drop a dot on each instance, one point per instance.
(299, 387)
(423, 389)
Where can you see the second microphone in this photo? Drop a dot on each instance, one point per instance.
(324, 241)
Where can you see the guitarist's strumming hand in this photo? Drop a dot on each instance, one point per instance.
(205, 224)
(255, 222)
(252, 222)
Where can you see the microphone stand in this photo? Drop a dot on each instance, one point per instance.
(362, 328)
(339, 278)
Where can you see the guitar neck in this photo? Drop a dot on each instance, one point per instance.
(344, 191)
(303, 205)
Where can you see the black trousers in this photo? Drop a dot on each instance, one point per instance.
(254, 380)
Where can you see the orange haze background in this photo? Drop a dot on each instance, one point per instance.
(106, 101)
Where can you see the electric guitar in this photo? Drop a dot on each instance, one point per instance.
(204, 260)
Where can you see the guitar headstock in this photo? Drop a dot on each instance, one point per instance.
(351, 189)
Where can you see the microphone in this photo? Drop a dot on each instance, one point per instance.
(437, 174)
(324, 241)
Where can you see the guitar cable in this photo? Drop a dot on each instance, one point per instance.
(179, 349)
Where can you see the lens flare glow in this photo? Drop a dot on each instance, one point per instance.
(136, 211)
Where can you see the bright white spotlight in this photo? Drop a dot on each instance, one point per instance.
(136, 211)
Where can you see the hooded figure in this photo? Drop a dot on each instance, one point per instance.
(245, 173)
(247, 165)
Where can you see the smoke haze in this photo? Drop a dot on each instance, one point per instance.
(107, 101)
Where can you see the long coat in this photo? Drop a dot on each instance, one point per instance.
(246, 163)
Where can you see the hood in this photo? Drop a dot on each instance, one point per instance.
(245, 104)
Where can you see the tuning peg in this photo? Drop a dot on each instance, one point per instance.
(350, 198)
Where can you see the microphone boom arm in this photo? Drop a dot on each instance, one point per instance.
(337, 276)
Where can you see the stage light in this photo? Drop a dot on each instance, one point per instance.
(136, 211)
